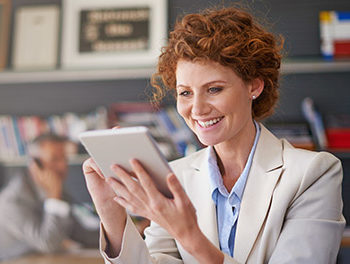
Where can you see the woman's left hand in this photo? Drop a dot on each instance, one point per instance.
(176, 215)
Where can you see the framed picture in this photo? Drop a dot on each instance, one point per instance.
(4, 31)
(110, 33)
(36, 34)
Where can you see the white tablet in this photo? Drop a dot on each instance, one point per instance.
(118, 146)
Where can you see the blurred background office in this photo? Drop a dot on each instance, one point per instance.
(38, 215)
(74, 65)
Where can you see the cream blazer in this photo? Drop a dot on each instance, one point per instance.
(291, 210)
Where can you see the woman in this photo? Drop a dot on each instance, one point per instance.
(248, 197)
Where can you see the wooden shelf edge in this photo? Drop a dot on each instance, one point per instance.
(292, 66)
(316, 66)
(23, 161)
(8, 77)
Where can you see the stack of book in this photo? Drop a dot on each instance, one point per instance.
(335, 34)
(173, 136)
(17, 131)
(297, 133)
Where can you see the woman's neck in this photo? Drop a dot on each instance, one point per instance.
(232, 155)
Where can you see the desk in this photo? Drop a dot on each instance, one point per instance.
(78, 257)
(345, 242)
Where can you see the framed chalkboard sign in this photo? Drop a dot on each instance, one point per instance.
(110, 33)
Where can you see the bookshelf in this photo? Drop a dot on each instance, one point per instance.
(305, 73)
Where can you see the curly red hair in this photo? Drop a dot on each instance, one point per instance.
(231, 37)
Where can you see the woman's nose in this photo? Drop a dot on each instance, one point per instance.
(200, 106)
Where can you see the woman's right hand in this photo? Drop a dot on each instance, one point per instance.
(112, 215)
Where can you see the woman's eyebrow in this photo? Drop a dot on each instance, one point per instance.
(182, 86)
(203, 85)
(214, 82)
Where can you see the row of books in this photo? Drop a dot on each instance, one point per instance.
(335, 34)
(17, 131)
(173, 136)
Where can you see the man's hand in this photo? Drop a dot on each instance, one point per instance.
(48, 180)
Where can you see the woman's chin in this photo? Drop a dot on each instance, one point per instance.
(208, 141)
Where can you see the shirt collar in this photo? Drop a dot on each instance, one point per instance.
(216, 182)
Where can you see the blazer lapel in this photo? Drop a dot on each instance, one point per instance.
(199, 192)
(263, 176)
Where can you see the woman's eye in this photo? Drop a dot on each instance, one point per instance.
(184, 93)
(214, 89)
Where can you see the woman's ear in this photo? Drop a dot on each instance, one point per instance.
(256, 88)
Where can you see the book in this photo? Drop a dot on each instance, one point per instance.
(326, 34)
(5, 6)
(338, 131)
(335, 34)
(315, 121)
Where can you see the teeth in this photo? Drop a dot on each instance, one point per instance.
(209, 123)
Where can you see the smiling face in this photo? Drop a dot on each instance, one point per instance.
(214, 101)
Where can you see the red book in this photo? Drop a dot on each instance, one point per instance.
(338, 138)
(342, 48)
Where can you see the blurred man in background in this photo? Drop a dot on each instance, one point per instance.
(36, 215)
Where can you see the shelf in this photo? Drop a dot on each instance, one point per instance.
(289, 66)
(316, 65)
(341, 154)
(8, 77)
(22, 162)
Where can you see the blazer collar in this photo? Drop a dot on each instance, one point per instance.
(262, 179)
(200, 195)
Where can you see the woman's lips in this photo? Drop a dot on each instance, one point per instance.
(209, 123)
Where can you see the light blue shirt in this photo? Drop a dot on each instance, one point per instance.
(228, 204)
